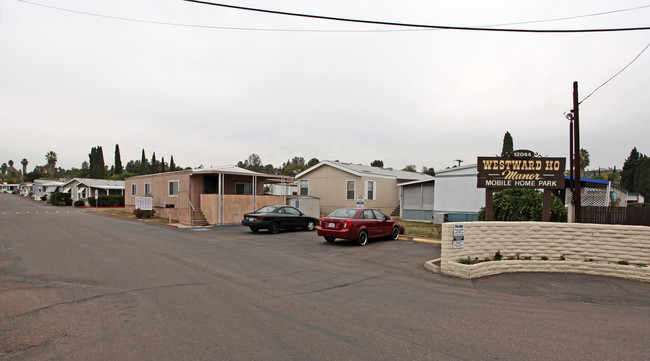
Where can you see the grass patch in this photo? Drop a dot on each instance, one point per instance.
(423, 229)
(122, 213)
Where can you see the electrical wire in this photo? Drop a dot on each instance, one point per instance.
(572, 17)
(417, 25)
(615, 75)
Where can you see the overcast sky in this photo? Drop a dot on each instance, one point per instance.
(237, 82)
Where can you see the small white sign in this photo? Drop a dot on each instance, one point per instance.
(144, 203)
(459, 236)
(96, 194)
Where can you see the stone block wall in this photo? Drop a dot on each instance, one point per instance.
(604, 245)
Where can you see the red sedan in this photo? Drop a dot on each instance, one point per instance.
(357, 224)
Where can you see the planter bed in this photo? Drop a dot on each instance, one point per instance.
(633, 272)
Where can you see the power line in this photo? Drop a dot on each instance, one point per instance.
(572, 17)
(615, 75)
(417, 25)
(420, 28)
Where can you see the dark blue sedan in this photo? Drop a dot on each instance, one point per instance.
(275, 218)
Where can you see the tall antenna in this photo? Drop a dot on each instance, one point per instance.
(459, 161)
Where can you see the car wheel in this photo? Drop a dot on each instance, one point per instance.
(311, 225)
(330, 239)
(395, 233)
(362, 239)
(274, 227)
(254, 229)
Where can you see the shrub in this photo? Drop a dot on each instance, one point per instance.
(60, 199)
(106, 201)
(523, 205)
(79, 203)
(139, 213)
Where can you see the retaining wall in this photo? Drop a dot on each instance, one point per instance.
(604, 245)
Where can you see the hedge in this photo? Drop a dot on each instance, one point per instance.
(107, 201)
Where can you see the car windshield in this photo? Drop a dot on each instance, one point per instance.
(344, 213)
(267, 209)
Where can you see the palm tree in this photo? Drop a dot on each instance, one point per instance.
(24, 162)
(584, 161)
(51, 162)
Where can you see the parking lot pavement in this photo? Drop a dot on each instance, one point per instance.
(82, 286)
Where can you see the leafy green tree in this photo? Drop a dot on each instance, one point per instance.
(429, 171)
(254, 163)
(584, 161)
(36, 174)
(377, 163)
(118, 169)
(293, 166)
(132, 166)
(270, 169)
(410, 168)
(524, 205)
(628, 175)
(508, 146)
(4, 170)
(312, 162)
(84, 172)
(642, 178)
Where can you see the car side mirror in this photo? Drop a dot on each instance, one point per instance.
(387, 218)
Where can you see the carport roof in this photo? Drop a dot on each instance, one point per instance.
(226, 169)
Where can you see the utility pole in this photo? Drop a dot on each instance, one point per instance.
(459, 161)
(577, 202)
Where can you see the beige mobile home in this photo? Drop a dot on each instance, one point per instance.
(344, 185)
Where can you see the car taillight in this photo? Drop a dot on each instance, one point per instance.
(260, 217)
(347, 224)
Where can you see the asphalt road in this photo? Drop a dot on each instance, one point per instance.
(75, 285)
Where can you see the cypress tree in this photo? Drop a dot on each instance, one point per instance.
(154, 164)
(162, 165)
(91, 161)
(172, 166)
(101, 171)
(508, 147)
(144, 167)
(118, 161)
(629, 170)
(96, 163)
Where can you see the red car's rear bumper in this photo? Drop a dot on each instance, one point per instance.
(345, 233)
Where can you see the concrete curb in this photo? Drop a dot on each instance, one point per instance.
(433, 265)
(405, 237)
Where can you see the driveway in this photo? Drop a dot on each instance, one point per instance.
(77, 285)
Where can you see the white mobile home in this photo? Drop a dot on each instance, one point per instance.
(457, 199)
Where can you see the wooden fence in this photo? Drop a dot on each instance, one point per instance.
(639, 216)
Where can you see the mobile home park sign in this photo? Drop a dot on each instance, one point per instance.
(522, 169)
